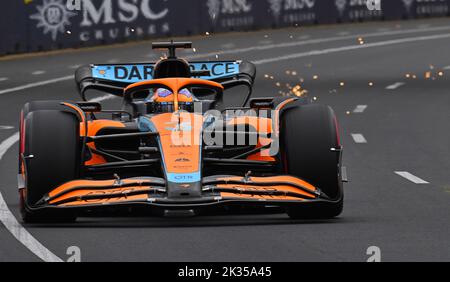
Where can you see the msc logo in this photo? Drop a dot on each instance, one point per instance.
(277, 6)
(229, 7)
(408, 4)
(372, 5)
(53, 17)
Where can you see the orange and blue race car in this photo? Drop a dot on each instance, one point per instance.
(173, 149)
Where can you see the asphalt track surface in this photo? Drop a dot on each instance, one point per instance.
(392, 119)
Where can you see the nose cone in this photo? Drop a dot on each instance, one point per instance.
(180, 146)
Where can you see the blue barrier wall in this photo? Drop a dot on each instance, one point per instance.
(36, 25)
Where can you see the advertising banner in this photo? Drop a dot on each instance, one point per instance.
(36, 25)
(13, 28)
(73, 23)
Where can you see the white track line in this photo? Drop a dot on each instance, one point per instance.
(267, 46)
(265, 42)
(360, 109)
(423, 26)
(38, 72)
(351, 48)
(11, 223)
(102, 98)
(289, 44)
(8, 143)
(4, 127)
(446, 68)
(23, 236)
(3, 79)
(411, 177)
(359, 138)
(74, 67)
(228, 45)
(37, 248)
(36, 84)
(9, 220)
(395, 86)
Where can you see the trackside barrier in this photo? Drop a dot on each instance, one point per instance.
(37, 25)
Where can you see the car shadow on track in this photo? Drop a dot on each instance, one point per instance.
(189, 222)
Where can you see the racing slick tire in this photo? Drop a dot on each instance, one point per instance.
(41, 105)
(51, 157)
(307, 135)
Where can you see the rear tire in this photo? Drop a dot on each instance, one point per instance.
(52, 139)
(308, 132)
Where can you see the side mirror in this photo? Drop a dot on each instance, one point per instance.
(90, 107)
(261, 103)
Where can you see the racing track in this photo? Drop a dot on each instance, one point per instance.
(398, 124)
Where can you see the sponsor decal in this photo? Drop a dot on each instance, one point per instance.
(183, 177)
(130, 73)
(230, 13)
(182, 160)
(341, 5)
(217, 69)
(183, 167)
(140, 72)
(357, 10)
(293, 11)
(123, 73)
(107, 193)
(276, 7)
(53, 17)
(256, 189)
(408, 4)
(103, 19)
(180, 146)
(102, 72)
(431, 8)
(213, 9)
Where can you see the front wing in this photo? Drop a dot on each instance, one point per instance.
(223, 190)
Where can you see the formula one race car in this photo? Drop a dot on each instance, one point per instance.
(170, 151)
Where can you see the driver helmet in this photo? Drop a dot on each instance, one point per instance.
(163, 100)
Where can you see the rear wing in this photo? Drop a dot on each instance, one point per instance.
(113, 78)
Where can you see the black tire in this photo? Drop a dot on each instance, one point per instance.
(307, 134)
(42, 105)
(52, 139)
(36, 106)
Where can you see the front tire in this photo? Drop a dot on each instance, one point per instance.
(51, 158)
(308, 134)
